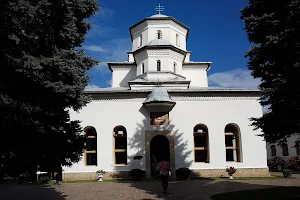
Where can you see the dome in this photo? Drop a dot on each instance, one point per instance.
(159, 42)
(158, 15)
(159, 95)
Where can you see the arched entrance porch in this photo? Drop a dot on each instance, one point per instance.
(169, 136)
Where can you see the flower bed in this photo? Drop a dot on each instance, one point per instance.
(276, 161)
(293, 163)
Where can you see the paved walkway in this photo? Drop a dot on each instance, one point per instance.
(144, 190)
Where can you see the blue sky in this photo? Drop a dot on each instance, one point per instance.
(216, 35)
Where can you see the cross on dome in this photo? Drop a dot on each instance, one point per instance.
(159, 8)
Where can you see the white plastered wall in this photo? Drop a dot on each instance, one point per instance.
(120, 76)
(197, 75)
(215, 114)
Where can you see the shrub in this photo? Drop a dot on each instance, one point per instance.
(183, 173)
(44, 178)
(293, 163)
(287, 173)
(137, 174)
(275, 161)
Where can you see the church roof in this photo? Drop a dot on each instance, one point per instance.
(159, 42)
(159, 95)
(158, 15)
(161, 17)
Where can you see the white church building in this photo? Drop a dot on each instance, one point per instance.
(159, 106)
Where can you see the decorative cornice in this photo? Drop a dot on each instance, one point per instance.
(176, 96)
(120, 65)
(196, 64)
(160, 47)
(158, 52)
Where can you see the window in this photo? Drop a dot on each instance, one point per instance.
(297, 145)
(158, 66)
(273, 150)
(285, 150)
(120, 146)
(90, 152)
(175, 65)
(159, 34)
(143, 68)
(232, 143)
(159, 118)
(177, 40)
(140, 40)
(201, 143)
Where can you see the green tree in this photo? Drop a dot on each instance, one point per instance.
(42, 77)
(273, 27)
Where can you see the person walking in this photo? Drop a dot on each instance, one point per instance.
(164, 168)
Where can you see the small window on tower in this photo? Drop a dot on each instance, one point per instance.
(140, 40)
(175, 65)
(159, 34)
(177, 40)
(143, 68)
(158, 66)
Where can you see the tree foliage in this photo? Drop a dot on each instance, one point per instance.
(273, 27)
(42, 77)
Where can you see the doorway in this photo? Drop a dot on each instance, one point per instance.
(159, 150)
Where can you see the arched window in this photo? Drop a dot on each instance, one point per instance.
(177, 40)
(201, 147)
(158, 65)
(175, 65)
(273, 150)
(120, 145)
(285, 150)
(233, 143)
(159, 34)
(90, 152)
(140, 40)
(297, 145)
(143, 68)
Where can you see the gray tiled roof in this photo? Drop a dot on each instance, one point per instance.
(158, 15)
(159, 94)
(159, 42)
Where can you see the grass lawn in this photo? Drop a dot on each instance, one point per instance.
(270, 193)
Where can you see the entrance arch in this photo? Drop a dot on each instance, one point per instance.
(159, 150)
(149, 135)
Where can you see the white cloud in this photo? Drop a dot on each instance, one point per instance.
(95, 48)
(102, 66)
(101, 31)
(105, 12)
(237, 78)
(91, 86)
(116, 54)
(108, 82)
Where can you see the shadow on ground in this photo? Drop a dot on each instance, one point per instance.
(205, 189)
(30, 191)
